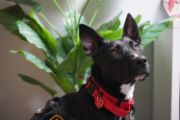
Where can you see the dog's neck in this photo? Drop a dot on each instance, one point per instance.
(120, 91)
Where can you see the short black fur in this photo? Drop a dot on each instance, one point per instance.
(115, 63)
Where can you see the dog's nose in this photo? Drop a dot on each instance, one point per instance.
(141, 60)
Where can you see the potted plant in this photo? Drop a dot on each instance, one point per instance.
(64, 59)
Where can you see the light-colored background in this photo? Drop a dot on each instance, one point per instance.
(19, 100)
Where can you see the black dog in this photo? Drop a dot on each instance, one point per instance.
(108, 94)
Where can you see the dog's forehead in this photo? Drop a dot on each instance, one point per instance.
(127, 39)
(123, 42)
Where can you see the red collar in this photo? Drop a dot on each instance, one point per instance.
(104, 99)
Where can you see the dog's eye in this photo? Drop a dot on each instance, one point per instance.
(135, 46)
(115, 49)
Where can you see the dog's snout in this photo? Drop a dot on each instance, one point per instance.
(140, 60)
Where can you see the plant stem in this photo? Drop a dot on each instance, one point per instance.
(76, 22)
(49, 23)
(83, 11)
(95, 13)
(68, 5)
(58, 7)
(76, 6)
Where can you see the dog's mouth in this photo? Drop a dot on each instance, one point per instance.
(143, 73)
(141, 76)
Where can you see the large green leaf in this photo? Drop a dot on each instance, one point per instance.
(51, 64)
(40, 37)
(71, 24)
(34, 4)
(46, 37)
(83, 64)
(63, 81)
(16, 21)
(34, 16)
(142, 25)
(75, 65)
(151, 32)
(65, 45)
(112, 24)
(138, 19)
(31, 35)
(33, 59)
(9, 17)
(110, 30)
(111, 35)
(33, 81)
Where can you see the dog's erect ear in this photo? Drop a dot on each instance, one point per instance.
(89, 39)
(131, 29)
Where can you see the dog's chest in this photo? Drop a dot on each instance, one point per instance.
(127, 90)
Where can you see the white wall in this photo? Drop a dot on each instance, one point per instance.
(18, 100)
(166, 74)
(162, 77)
(175, 87)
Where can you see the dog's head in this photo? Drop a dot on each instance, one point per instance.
(121, 61)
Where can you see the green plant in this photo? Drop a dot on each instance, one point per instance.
(64, 57)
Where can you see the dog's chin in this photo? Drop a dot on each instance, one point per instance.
(141, 77)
